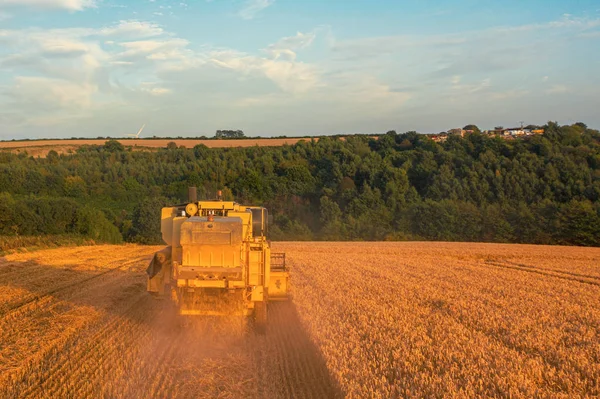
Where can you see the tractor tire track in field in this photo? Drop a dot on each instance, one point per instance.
(294, 366)
(588, 276)
(97, 333)
(57, 289)
(564, 275)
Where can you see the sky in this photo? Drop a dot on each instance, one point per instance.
(89, 68)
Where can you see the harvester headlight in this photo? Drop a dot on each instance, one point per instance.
(191, 209)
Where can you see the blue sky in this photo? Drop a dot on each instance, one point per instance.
(88, 68)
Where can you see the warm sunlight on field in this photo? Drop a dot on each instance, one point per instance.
(372, 319)
(78, 322)
(452, 319)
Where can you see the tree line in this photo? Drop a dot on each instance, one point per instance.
(542, 189)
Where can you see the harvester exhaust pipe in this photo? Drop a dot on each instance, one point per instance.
(192, 194)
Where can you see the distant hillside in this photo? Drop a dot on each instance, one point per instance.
(43, 147)
(541, 189)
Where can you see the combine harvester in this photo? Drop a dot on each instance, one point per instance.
(218, 260)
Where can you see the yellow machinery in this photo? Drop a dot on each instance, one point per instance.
(218, 260)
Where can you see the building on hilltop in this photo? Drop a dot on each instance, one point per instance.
(513, 132)
(459, 132)
(439, 138)
(499, 131)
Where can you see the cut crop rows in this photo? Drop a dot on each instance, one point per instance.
(77, 322)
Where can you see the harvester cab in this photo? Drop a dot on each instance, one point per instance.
(218, 260)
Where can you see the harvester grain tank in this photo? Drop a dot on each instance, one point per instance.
(218, 260)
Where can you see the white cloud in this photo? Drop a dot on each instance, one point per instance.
(290, 76)
(149, 46)
(51, 93)
(58, 74)
(65, 74)
(154, 89)
(379, 45)
(366, 93)
(71, 5)
(467, 89)
(590, 35)
(280, 67)
(469, 52)
(285, 47)
(253, 7)
(62, 46)
(347, 103)
(558, 89)
(509, 94)
(133, 67)
(567, 22)
(133, 29)
(57, 53)
(168, 49)
(158, 91)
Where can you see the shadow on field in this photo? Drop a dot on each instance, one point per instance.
(184, 354)
(25, 282)
(290, 364)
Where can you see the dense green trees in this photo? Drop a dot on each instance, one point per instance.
(539, 189)
(229, 134)
(30, 215)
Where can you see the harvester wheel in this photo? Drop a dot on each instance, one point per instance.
(260, 317)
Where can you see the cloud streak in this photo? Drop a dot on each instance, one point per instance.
(253, 7)
(71, 5)
(132, 29)
(285, 47)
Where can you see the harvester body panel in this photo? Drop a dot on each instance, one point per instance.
(218, 260)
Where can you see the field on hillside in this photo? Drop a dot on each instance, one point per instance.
(42, 147)
(367, 320)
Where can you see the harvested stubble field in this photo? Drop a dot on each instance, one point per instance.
(41, 148)
(157, 143)
(78, 323)
(368, 320)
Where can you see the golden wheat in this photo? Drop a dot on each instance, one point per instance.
(376, 320)
(77, 322)
(452, 320)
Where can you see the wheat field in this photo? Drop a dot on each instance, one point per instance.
(367, 320)
(453, 319)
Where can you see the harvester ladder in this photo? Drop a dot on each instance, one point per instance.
(260, 273)
(261, 268)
